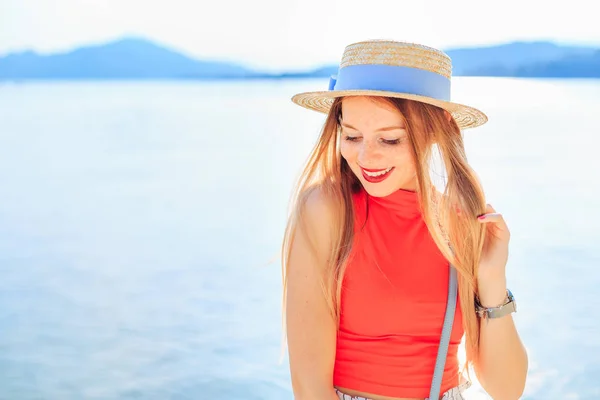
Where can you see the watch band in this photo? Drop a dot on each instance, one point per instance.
(509, 306)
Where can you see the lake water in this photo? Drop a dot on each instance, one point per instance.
(140, 226)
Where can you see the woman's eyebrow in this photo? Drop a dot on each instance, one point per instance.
(387, 128)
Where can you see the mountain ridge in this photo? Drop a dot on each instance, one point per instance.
(139, 58)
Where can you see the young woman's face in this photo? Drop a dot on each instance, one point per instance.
(375, 143)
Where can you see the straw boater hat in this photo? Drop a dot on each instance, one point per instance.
(394, 69)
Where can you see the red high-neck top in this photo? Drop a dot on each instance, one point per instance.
(393, 302)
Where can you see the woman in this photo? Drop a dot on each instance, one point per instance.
(373, 251)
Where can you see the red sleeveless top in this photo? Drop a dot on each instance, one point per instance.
(393, 302)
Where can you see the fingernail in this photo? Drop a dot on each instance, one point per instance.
(481, 217)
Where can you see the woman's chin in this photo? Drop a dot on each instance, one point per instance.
(383, 189)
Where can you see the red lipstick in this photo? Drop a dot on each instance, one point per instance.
(378, 178)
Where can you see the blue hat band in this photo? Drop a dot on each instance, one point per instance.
(391, 78)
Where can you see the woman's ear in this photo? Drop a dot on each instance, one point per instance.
(448, 116)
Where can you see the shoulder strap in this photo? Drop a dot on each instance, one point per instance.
(440, 362)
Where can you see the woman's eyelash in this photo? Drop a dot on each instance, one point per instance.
(392, 141)
(386, 141)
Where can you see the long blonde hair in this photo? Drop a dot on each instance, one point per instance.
(451, 216)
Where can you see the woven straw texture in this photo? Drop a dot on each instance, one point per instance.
(396, 54)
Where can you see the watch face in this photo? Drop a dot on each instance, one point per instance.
(509, 307)
(506, 309)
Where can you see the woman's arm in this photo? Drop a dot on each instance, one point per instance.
(311, 329)
(502, 363)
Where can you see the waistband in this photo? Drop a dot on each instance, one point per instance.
(455, 393)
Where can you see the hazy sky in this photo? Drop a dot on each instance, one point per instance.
(290, 33)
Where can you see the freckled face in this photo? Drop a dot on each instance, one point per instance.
(375, 144)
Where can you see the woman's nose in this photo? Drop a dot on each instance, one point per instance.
(368, 154)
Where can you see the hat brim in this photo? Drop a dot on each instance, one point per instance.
(466, 117)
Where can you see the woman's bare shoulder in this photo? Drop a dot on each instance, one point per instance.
(318, 205)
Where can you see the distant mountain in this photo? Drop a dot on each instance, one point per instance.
(326, 71)
(580, 66)
(135, 58)
(585, 66)
(527, 59)
(510, 56)
(129, 58)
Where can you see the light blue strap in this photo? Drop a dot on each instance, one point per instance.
(440, 362)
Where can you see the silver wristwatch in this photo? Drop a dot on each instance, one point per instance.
(508, 307)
